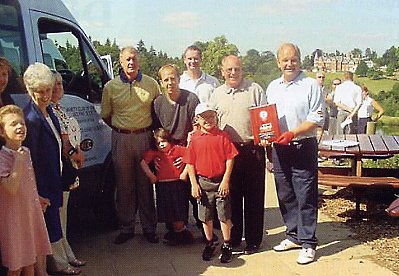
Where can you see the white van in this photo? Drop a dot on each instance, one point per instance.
(32, 31)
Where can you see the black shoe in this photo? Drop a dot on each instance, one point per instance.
(151, 237)
(226, 256)
(123, 237)
(185, 237)
(251, 249)
(215, 238)
(208, 252)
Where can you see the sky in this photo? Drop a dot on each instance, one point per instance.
(263, 25)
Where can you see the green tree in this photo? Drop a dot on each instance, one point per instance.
(362, 69)
(214, 53)
(307, 63)
(356, 52)
(391, 58)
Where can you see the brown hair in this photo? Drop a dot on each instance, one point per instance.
(169, 66)
(162, 133)
(4, 63)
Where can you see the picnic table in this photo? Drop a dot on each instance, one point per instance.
(357, 147)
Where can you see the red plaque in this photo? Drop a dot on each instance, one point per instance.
(264, 122)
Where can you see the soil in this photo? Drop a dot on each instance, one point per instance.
(374, 227)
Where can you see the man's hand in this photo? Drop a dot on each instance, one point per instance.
(285, 138)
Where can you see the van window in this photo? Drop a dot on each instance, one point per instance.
(66, 51)
(12, 44)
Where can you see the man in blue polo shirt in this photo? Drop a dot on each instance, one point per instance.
(299, 104)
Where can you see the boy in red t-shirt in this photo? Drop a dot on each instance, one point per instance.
(210, 159)
(172, 198)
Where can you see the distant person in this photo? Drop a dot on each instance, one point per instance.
(232, 101)
(321, 77)
(126, 108)
(172, 197)
(210, 160)
(24, 242)
(332, 107)
(348, 98)
(366, 110)
(194, 79)
(299, 106)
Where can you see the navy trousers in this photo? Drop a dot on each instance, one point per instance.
(295, 172)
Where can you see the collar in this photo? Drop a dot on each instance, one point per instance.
(300, 76)
(124, 78)
(240, 88)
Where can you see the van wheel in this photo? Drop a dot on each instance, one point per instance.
(105, 208)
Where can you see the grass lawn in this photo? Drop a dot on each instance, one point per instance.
(374, 86)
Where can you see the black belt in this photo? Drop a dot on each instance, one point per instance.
(132, 131)
(244, 144)
(216, 179)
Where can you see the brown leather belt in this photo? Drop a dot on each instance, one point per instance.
(135, 131)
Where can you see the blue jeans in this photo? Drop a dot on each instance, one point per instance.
(295, 172)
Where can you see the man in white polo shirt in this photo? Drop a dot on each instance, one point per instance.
(348, 98)
(194, 79)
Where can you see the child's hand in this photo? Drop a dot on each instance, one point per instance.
(196, 191)
(44, 203)
(224, 189)
(178, 162)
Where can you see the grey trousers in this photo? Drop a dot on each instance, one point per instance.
(134, 192)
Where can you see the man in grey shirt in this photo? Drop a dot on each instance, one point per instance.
(232, 101)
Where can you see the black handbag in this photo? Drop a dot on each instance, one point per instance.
(69, 173)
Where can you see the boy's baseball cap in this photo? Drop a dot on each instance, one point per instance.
(203, 107)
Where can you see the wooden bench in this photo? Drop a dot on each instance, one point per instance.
(359, 184)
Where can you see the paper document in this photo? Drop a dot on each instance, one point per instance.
(346, 122)
(340, 143)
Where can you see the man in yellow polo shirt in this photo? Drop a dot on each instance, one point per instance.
(126, 108)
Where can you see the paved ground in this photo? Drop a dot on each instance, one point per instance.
(338, 253)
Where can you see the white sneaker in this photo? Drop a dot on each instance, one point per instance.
(306, 255)
(286, 245)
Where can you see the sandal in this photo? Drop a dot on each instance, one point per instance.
(77, 263)
(67, 271)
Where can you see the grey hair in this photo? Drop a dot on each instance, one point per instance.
(129, 49)
(38, 76)
(297, 51)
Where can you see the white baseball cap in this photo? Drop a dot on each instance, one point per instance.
(203, 107)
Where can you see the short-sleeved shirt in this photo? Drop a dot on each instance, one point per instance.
(167, 171)
(129, 103)
(202, 87)
(177, 118)
(348, 93)
(232, 107)
(208, 152)
(366, 109)
(297, 101)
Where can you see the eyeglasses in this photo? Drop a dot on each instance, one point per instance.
(336, 83)
(321, 77)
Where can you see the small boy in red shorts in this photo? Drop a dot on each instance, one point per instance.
(210, 159)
